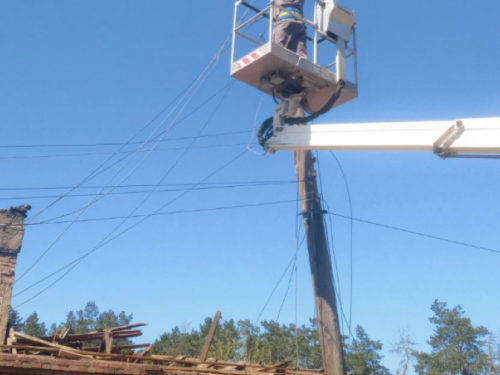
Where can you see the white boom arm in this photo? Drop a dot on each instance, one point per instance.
(480, 136)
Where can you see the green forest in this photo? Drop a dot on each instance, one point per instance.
(456, 346)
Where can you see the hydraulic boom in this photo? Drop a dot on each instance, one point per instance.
(474, 137)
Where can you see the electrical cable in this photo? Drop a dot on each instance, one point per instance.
(351, 213)
(215, 60)
(278, 283)
(217, 187)
(201, 79)
(254, 126)
(54, 145)
(215, 184)
(155, 213)
(114, 153)
(330, 243)
(420, 234)
(34, 216)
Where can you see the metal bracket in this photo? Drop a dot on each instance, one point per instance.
(289, 107)
(442, 146)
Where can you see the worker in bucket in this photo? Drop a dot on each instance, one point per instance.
(289, 31)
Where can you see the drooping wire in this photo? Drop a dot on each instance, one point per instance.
(154, 189)
(73, 264)
(215, 60)
(254, 128)
(331, 247)
(201, 78)
(351, 238)
(102, 165)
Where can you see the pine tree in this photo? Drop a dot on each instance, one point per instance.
(33, 327)
(15, 321)
(457, 346)
(363, 357)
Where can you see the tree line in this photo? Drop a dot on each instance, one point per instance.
(457, 347)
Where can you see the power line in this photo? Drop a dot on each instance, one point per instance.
(93, 220)
(75, 263)
(134, 192)
(108, 144)
(124, 186)
(201, 77)
(190, 92)
(417, 233)
(49, 156)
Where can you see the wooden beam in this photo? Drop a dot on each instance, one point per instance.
(63, 349)
(210, 336)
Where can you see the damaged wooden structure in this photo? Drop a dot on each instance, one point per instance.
(103, 351)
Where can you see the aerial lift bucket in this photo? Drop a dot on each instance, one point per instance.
(277, 71)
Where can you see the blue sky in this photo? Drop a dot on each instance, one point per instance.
(94, 72)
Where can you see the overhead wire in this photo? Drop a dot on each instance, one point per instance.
(157, 212)
(194, 87)
(351, 238)
(331, 247)
(134, 192)
(216, 59)
(223, 48)
(420, 234)
(102, 165)
(215, 184)
(50, 156)
(254, 128)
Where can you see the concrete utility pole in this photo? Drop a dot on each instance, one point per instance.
(321, 267)
(11, 237)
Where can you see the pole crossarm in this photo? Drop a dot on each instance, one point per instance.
(445, 138)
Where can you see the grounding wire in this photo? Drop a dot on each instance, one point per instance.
(351, 239)
(201, 78)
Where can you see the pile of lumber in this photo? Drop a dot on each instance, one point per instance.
(75, 346)
(100, 345)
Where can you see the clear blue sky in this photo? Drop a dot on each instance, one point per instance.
(89, 72)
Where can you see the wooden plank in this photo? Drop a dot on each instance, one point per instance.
(274, 367)
(97, 336)
(121, 347)
(210, 336)
(122, 328)
(62, 348)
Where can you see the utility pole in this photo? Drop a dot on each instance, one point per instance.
(321, 267)
(11, 237)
